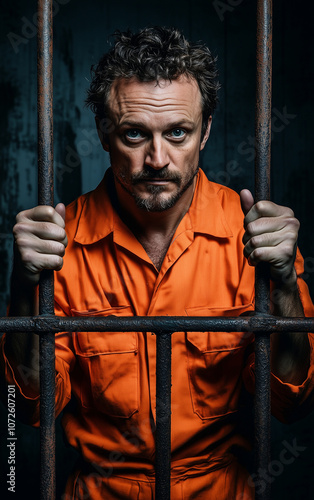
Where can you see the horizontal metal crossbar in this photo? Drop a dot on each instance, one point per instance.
(262, 324)
(256, 324)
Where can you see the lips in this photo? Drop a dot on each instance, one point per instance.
(152, 181)
(156, 180)
(159, 179)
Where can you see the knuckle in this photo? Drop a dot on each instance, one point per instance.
(295, 222)
(291, 221)
(60, 249)
(20, 216)
(21, 242)
(25, 214)
(292, 236)
(254, 242)
(17, 228)
(260, 206)
(63, 235)
(287, 212)
(49, 211)
(288, 250)
(58, 263)
(250, 229)
(257, 254)
(21, 228)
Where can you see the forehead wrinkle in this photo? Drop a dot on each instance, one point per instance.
(126, 100)
(150, 103)
(145, 114)
(147, 97)
(138, 117)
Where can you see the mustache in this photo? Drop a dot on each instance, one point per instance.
(150, 173)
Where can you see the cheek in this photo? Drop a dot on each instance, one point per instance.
(187, 159)
(127, 164)
(126, 158)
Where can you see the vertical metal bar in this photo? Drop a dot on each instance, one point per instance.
(46, 288)
(262, 192)
(163, 416)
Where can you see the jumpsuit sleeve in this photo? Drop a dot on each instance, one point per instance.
(27, 404)
(290, 402)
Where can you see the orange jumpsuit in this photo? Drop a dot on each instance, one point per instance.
(112, 375)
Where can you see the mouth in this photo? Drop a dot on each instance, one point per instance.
(157, 181)
(154, 182)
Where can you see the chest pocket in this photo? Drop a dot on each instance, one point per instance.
(215, 364)
(109, 361)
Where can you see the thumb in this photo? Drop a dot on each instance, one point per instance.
(247, 200)
(60, 209)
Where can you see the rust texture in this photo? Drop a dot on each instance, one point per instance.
(46, 324)
(262, 192)
(46, 289)
(163, 416)
(169, 324)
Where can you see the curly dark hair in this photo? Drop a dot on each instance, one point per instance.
(154, 54)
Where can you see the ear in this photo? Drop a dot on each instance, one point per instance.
(206, 135)
(101, 134)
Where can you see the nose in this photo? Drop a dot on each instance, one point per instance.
(157, 155)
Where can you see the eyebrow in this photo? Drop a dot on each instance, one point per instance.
(135, 124)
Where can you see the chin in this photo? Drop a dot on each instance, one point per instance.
(156, 203)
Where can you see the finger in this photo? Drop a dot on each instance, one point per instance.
(44, 230)
(40, 246)
(262, 240)
(271, 225)
(34, 263)
(42, 213)
(60, 209)
(279, 256)
(247, 200)
(266, 208)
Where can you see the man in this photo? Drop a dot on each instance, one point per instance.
(157, 238)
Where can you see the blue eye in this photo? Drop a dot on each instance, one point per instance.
(178, 132)
(133, 134)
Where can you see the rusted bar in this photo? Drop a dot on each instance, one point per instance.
(168, 324)
(163, 416)
(46, 289)
(262, 192)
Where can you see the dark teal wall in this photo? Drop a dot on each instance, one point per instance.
(81, 36)
(81, 31)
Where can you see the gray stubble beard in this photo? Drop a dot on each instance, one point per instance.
(152, 204)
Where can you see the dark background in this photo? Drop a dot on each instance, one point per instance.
(81, 31)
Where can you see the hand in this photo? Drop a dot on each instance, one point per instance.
(271, 233)
(40, 242)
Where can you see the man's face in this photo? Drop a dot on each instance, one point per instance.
(154, 146)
